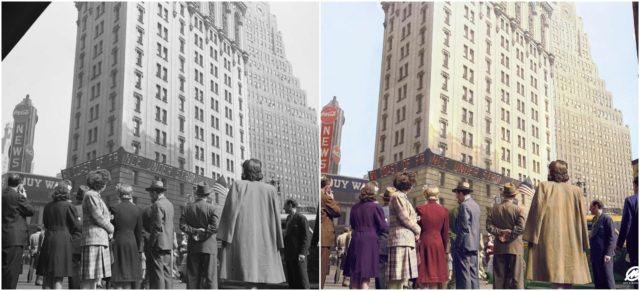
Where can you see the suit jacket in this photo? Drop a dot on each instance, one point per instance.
(200, 214)
(602, 238)
(146, 227)
(467, 227)
(296, 236)
(403, 222)
(383, 237)
(127, 223)
(629, 225)
(330, 210)
(15, 209)
(161, 228)
(96, 225)
(506, 215)
(315, 236)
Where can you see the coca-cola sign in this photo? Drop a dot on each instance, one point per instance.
(329, 115)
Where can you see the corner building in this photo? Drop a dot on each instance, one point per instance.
(165, 82)
(591, 136)
(283, 127)
(470, 81)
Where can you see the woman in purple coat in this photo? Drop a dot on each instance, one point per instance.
(367, 221)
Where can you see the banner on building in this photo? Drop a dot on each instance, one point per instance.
(328, 118)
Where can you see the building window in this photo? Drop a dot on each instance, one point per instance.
(136, 126)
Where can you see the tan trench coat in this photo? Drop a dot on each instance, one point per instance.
(556, 230)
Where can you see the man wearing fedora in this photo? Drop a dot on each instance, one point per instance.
(296, 246)
(199, 222)
(160, 238)
(506, 222)
(467, 243)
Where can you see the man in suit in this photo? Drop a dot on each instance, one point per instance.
(296, 245)
(629, 225)
(160, 238)
(34, 252)
(330, 210)
(199, 222)
(602, 239)
(15, 210)
(467, 243)
(506, 222)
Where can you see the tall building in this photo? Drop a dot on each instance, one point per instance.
(332, 120)
(166, 82)
(470, 81)
(25, 117)
(283, 128)
(6, 142)
(591, 135)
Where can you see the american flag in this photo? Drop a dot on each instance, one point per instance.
(526, 187)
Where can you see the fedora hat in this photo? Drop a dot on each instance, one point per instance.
(203, 189)
(464, 187)
(509, 190)
(156, 185)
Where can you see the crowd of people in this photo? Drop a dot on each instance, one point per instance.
(133, 248)
(401, 245)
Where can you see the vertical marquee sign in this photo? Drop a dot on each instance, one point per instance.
(21, 149)
(328, 117)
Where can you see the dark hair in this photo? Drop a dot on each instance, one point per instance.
(293, 203)
(14, 180)
(252, 170)
(368, 192)
(404, 180)
(558, 171)
(597, 203)
(97, 179)
(324, 181)
(61, 191)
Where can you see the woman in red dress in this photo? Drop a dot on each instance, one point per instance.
(434, 221)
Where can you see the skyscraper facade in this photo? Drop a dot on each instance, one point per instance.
(591, 135)
(470, 81)
(163, 80)
(332, 119)
(283, 127)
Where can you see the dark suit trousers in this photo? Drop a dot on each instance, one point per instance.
(381, 280)
(202, 271)
(602, 274)
(465, 267)
(324, 264)
(508, 272)
(160, 276)
(297, 276)
(11, 266)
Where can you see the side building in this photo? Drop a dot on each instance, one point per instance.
(471, 82)
(161, 87)
(283, 127)
(591, 136)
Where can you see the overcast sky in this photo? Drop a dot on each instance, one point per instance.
(351, 40)
(41, 65)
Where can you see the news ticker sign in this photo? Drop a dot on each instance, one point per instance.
(328, 117)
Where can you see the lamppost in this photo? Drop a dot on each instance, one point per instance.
(276, 183)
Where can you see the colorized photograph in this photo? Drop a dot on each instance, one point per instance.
(479, 145)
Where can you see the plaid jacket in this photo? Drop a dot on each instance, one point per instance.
(403, 222)
(96, 225)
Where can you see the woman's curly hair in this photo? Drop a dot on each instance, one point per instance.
(404, 180)
(369, 192)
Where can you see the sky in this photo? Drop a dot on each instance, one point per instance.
(351, 40)
(41, 65)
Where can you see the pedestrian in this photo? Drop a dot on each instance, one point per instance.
(75, 281)
(199, 221)
(629, 225)
(96, 229)
(296, 246)
(251, 231)
(15, 210)
(404, 231)
(434, 238)
(342, 244)
(602, 239)
(367, 221)
(161, 238)
(383, 238)
(467, 243)
(329, 210)
(35, 244)
(453, 214)
(127, 240)
(506, 222)
(556, 230)
(146, 254)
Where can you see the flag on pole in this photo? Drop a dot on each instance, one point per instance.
(526, 187)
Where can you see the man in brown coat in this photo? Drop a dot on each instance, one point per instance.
(330, 210)
(506, 222)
